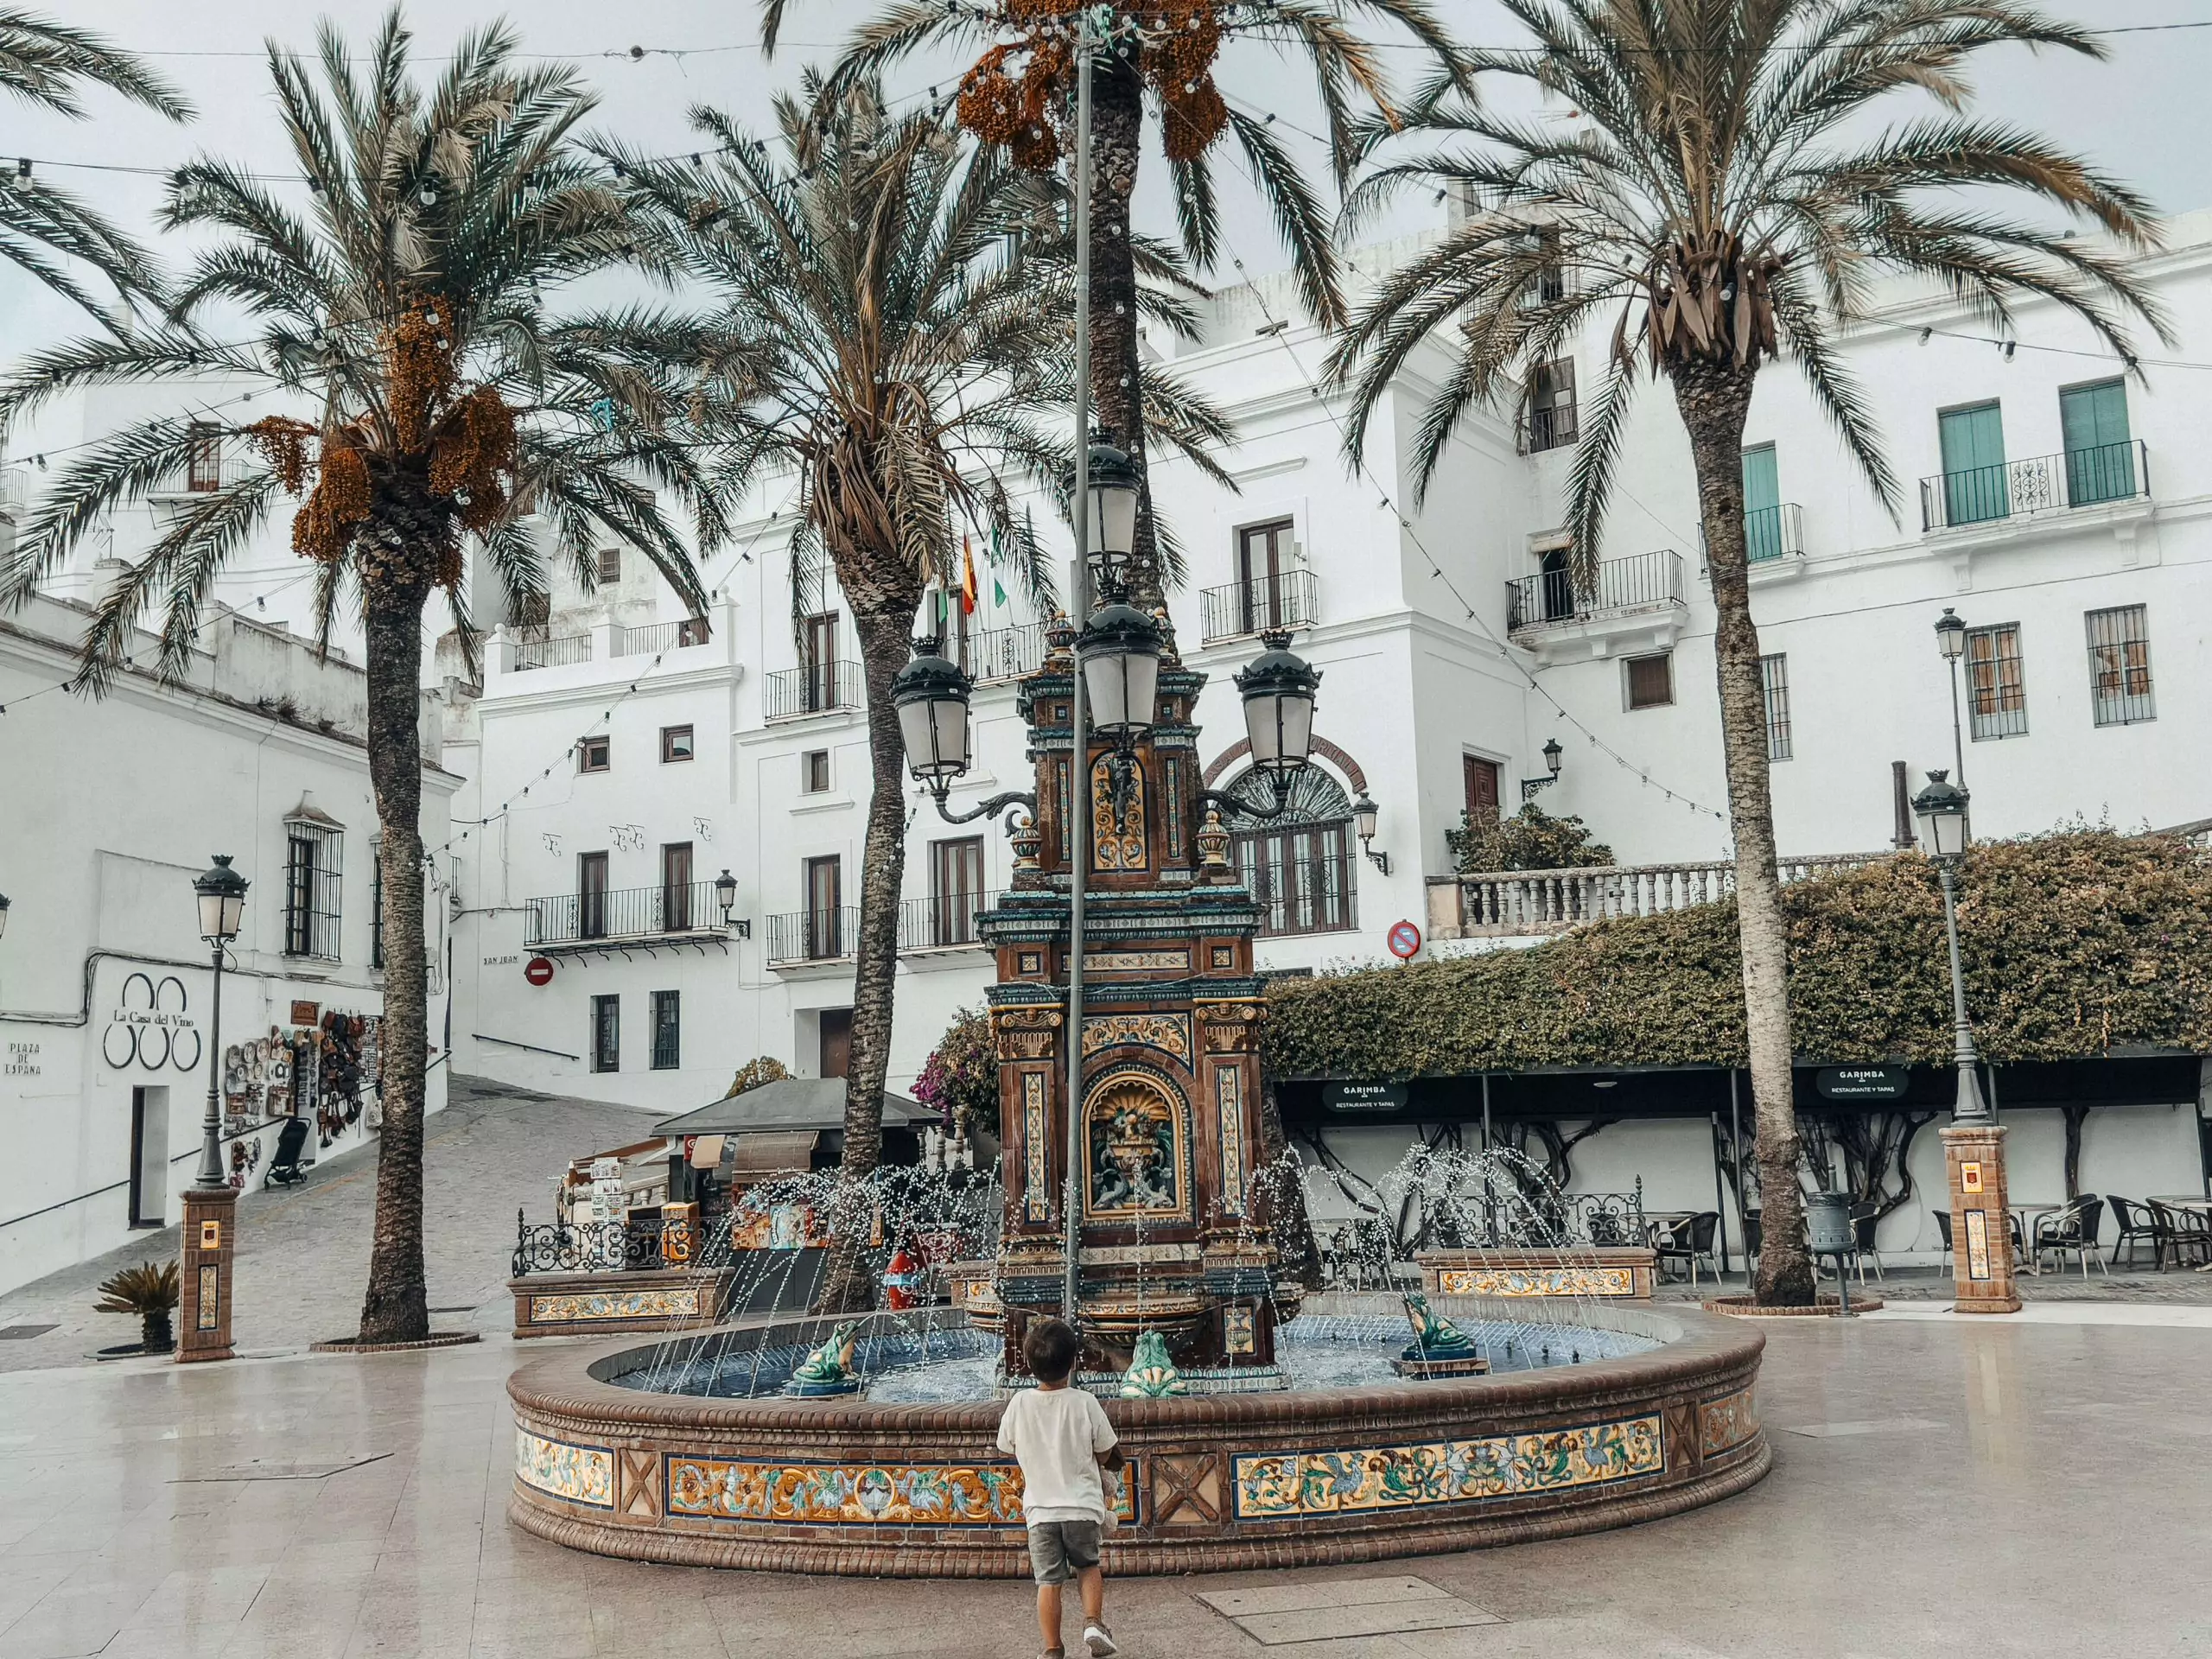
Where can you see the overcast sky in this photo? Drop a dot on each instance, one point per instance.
(2144, 114)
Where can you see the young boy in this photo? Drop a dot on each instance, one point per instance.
(1061, 1438)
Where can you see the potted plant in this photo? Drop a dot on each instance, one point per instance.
(151, 1293)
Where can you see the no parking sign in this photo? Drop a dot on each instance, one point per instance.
(1404, 941)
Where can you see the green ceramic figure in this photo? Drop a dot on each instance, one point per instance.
(1151, 1375)
(1435, 1338)
(829, 1369)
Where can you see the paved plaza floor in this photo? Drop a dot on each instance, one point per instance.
(1941, 1485)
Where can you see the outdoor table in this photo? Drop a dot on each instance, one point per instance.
(2186, 1201)
(1659, 1226)
(2028, 1214)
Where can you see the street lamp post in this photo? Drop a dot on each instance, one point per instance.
(1951, 640)
(1974, 1144)
(210, 1241)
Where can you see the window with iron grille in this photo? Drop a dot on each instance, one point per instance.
(606, 1034)
(1774, 676)
(1650, 681)
(204, 467)
(1300, 868)
(668, 1030)
(2119, 666)
(1551, 404)
(1996, 686)
(311, 889)
(610, 564)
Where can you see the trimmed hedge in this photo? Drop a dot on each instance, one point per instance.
(2075, 944)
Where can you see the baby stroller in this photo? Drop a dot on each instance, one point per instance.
(284, 1168)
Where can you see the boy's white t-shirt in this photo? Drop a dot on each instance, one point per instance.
(1057, 1435)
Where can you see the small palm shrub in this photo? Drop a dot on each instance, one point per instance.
(151, 1292)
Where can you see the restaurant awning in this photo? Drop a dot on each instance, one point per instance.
(789, 1103)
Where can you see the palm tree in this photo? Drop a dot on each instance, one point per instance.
(1724, 192)
(877, 332)
(44, 63)
(402, 314)
(1164, 54)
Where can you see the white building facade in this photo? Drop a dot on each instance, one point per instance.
(109, 809)
(2056, 504)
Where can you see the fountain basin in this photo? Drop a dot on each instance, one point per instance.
(1218, 1482)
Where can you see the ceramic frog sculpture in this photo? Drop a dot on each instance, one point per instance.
(828, 1370)
(1434, 1337)
(1151, 1375)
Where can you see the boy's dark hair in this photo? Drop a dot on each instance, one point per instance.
(1050, 1348)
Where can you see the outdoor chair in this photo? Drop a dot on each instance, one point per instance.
(1751, 1241)
(2074, 1228)
(1864, 1218)
(2137, 1224)
(2188, 1233)
(1943, 1230)
(1689, 1239)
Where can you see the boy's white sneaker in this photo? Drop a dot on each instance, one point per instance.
(1100, 1641)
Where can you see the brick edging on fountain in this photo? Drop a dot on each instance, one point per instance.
(1827, 1307)
(435, 1340)
(1222, 1482)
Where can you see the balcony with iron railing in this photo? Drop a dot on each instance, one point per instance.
(1498, 902)
(677, 910)
(992, 655)
(1288, 600)
(14, 489)
(825, 935)
(1640, 599)
(1772, 534)
(533, 648)
(943, 921)
(815, 689)
(2038, 487)
(657, 637)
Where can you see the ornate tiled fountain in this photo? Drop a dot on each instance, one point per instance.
(722, 1448)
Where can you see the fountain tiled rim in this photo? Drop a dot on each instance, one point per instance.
(1185, 1452)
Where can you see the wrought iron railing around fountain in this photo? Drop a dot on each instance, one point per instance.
(584, 1246)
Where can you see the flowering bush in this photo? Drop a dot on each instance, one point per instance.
(960, 1079)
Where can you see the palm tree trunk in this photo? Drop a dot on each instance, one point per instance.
(848, 1286)
(1116, 132)
(395, 1308)
(1713, 400)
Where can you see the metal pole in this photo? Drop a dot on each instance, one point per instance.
(211, 1150)
(1490, 1192)
(1735, 1151)
(1719, 1195)
(1958, 746)
(1080, 604)
(1969, 1108)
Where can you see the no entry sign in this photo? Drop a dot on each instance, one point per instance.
(1405, 941)
(540, 970)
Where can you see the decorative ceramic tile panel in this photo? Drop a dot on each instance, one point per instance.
(1536, 1282)
(1173, 768)
(1229, 1103)
(580, 1474)
(582, 1307)
(1117, 839)
(1116, 962)
(1171, 1031)
(1036, 1132)
(1445, 1471)
(854, 1494)
(1727, 1423)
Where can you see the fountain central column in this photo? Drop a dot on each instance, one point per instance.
(1149, 1159)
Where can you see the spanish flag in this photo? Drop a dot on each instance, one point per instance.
(967, 577)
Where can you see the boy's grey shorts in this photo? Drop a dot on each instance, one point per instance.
(1060, 1549)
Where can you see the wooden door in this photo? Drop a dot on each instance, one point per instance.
(2100, 458)
(1973, 464)
(1482, 790)
(676, 886)
(591, 895)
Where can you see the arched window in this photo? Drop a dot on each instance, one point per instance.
(1299, 866)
